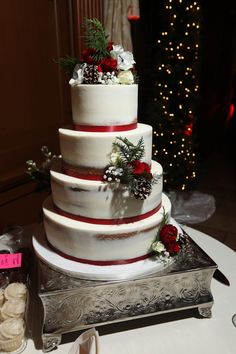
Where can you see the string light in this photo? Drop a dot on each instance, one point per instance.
(178, 45)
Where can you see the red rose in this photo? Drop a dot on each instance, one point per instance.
(172, 247)
(88, 54)
(140, 167)
(110, 46)
(109, 64)
(168, 233)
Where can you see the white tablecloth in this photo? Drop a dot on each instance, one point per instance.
(190, 335)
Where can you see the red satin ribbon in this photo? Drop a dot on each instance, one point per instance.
(91, 177)
(118, 221)
(73, 173)
(104, 128)
(101, 263)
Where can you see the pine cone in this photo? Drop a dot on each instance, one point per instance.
(91, 74)
(141, 188)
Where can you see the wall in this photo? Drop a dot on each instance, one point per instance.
(35, 96)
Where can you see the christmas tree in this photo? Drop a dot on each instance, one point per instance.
(173, 109)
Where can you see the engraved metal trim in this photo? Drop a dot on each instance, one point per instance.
(71, 304)
(50, 342)
(205, 311)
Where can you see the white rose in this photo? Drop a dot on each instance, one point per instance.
(126, 77)
(113, 157)
(116, 51)
(158, 247)
(78, 75)
(125, 60)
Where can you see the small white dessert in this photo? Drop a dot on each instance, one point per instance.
(11, 334)
(13, 309)
(15, 291)
(2, 298)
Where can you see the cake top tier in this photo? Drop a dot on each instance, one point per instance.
(102, 62)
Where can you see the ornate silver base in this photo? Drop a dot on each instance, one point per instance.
(72, 304)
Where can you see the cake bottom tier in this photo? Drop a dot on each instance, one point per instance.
(102, 244)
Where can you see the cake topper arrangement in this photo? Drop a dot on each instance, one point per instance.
(102, 62)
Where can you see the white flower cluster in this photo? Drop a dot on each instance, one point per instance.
(113, 173)
(108, 79)
(159, 247)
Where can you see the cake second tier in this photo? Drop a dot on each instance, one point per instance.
(86, 154)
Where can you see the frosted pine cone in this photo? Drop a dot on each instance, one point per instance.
(113, 174)
(91, 74)
(141, 188)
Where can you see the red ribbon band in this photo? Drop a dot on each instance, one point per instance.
(125, 220)
(104, 128)
(70, 171)
(73, 173)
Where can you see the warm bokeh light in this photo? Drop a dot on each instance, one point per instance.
(173, 113)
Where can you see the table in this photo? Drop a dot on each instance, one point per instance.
(215, 335)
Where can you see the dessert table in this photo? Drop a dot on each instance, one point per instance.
(172, 332)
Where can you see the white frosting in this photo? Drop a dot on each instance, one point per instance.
(100, 200)
(13, 308)
(15, 291)
(93, 150)
(104, 104)
(11, 328)
(102, 242)
(89, 153)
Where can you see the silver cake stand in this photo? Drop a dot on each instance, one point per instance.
(71, 303)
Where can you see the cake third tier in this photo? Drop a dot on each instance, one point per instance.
(101, 202)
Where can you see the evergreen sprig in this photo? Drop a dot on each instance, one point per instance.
(67, 64)
(164, 221)
(96, 38)
(130, 152)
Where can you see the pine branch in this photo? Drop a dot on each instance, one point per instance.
(96, 38)
(68, 64)
(141, 149)
(129, 151)
(164, 219)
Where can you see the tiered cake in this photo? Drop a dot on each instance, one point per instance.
(107, 220)
(101, 211)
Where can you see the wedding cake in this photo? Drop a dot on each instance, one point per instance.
(107, 205)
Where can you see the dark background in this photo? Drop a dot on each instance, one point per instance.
(217, 67)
